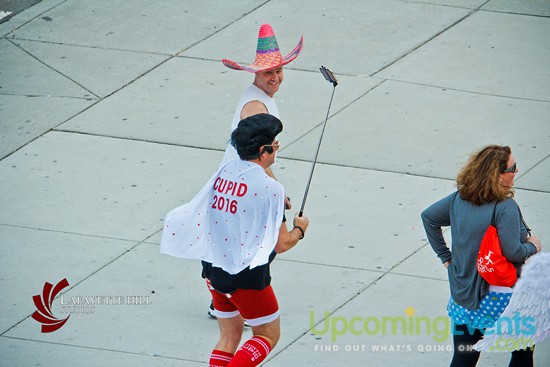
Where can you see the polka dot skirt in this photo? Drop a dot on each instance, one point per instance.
(490, 308)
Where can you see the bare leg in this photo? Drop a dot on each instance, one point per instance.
(256, 349)
(270, 331)
(231, 332)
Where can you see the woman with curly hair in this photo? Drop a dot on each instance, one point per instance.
(484, 191)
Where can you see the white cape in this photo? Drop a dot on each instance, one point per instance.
(526, 320)
(233, 222)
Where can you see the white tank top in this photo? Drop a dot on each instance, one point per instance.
(252, 93)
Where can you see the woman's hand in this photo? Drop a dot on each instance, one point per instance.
(535, 241)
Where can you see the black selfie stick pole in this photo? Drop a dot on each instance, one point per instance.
(329, 76)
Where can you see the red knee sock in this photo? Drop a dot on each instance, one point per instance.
(252, 353)
(220, 358)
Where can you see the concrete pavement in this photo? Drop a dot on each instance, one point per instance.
(113, 113)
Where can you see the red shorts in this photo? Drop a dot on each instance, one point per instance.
(256, 307)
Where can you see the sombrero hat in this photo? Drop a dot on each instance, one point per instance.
(268, 55)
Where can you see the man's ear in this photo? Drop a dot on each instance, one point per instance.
(262, 151)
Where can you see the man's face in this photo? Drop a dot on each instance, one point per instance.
(271, 157)
(269, 81)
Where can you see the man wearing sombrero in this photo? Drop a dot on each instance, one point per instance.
(256, 99)
(268, 76)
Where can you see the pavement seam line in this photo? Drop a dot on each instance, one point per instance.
(330, 164)
(52, 68)
(434, 36)
(46, 96)
(514, 13)
(221, 29)
(32, 19)
(220, 150)
(71, 233)
(90, 46)
(462, 90)
(98, 348)
(335, 113)
(123, 86)
(533, 167)
(94, 272)
(359, 292)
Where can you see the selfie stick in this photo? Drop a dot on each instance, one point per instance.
(329, 76)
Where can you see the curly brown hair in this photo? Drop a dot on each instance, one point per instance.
(479, 180)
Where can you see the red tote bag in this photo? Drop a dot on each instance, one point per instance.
(491, 264)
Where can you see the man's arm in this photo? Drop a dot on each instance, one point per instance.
(253, 108)
(288, 239)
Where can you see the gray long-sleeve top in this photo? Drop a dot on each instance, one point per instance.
(468, 225)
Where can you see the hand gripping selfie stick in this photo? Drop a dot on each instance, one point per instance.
(329, 76)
